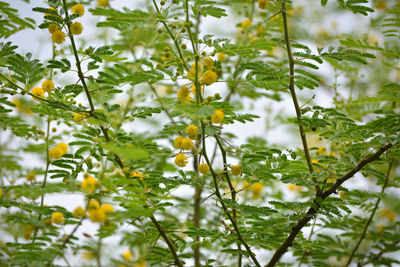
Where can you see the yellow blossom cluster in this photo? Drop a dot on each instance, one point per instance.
(207, 72)
(191, 131)
(183, 143)
(57, 217)
(218, 116)
(99, 213)
(255, 188)
(236, 170)
(58, 151)
(38, 92)
(89, 184)
(181, 160)
(78, 118)
(76, 28)
(204, 168)
(31, 177)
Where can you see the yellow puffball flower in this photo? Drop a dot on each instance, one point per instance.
(262, 4)
(97, 215)
(181, 160)
(208, 63)
(107, 208)
(256, 188)
(93, 204)
(53, 27)
(48, 86)
(37, 91)
(1, 192)
(31, 177)
(221, 57)
(63, 147)
(178, 142)
(187, 144)
(191, 131)
(79, 212)
(209, 77)
(204, 168)
(293, 187)
(236, 170)
(89, 184)
(102, 3)
(321, 150)
(56, 153)
(78, 118)
(57, 217)
(183, 95)
(246, 23)
(388, 214)
(127, 255)
(218, 117)
(58, 37)
(78, 9)
(76, 28)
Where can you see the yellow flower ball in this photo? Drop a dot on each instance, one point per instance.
(187, 144)
(102, 3)
(191, 131)
(53, 27)
(78, 9)
(209, 77)
(107, 208)
(93, 204)
(246, 23)
(221, 57)
(236, 170)
(181, 160)
(218, 117)
(37, 91)
(63, 147)
(76, 28)
(1, 192)
(293, 187)
(204, 168)
(208, 63)
(56, 153)
(89, 184)
(48, 86)
(127, 255)
(178, 142)
(262, 4)
(31, 177)
(79, 212)
(256, 188)
(97, 215)
(78, 118)
(57, 217)
(183, 95)
(58, 37)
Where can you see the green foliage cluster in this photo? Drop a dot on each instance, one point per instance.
(213, 199)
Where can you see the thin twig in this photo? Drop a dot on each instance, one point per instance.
(312, 211)
(294, 96)
(217, 192)
(353, 252)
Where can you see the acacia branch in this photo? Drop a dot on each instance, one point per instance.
(232, 189)
(294, 96)
(353, 252)
(218, 194)
(312, 211)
